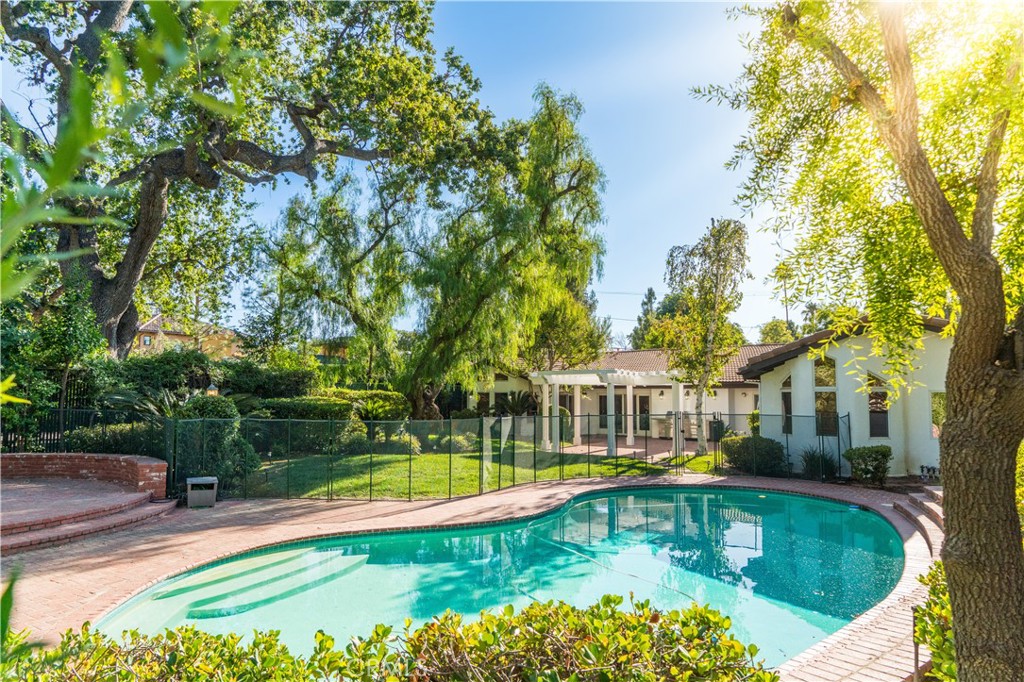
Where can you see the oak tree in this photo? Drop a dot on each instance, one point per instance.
(889, 139)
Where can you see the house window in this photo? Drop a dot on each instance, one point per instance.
(938, 413)
(498, 376)
(787, 406)
(501, 403)
(147, 340)
(826, 411)
(878, 408)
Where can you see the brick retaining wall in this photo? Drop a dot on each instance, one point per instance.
(142, 474)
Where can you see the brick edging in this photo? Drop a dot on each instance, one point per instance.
(142, 474)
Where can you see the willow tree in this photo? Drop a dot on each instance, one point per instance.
(701, 339)
(477, 267)
(307, 84)
(890, 139)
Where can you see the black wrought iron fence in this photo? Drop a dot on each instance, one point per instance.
(292, 458)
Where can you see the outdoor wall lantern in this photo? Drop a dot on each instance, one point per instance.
(212, 390)
(661, 394)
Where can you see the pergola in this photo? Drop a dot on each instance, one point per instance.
(550, 384)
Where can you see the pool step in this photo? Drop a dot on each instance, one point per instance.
(232, 570)
(66, 532)
(934, 492)
(931, 531)
(929, 506)
(285, 585)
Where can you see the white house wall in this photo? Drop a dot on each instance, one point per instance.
(910, 422)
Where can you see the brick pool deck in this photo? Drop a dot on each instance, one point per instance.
(60, 587)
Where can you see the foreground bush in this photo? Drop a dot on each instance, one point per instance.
(755, 455)
(544, 641)
(245, 376)
(869, 464)
(934, 627)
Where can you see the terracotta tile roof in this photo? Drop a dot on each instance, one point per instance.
(656, 360)
(169, 325)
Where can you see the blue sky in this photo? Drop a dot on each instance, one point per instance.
(662, 150)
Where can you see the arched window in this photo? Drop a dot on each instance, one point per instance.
(878, 408)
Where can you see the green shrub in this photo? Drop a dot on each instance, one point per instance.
(139, 438)
(309, 407)
(394, 406)
(755, 455)
(754, 422)
(869, 463)
(175, 370)
(396, 444)
(468, 413)
(245, 376)
(818, 465)
(934, 627)
(460, 442)
(210, 407)
(542, 642)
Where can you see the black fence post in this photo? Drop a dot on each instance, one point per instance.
(482, 454)
(288, 463)
(409, 445)
(371, 440)
(331, 449)
(450, 446)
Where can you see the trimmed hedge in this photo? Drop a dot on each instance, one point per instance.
(870, 463)
(245, 376)
(175, 370)
(309, 407)
(755, 455)
(544, 642)
(210, 407)
(139, 438)
(395, 405)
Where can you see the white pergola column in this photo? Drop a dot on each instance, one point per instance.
(628, 416)
(556, 417)
(577, 402)
(545, 424)
(677, 409)
(611, 420)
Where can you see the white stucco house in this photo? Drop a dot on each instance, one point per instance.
(808, 402)
(633, 389)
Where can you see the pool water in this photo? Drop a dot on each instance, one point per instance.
(789, 570)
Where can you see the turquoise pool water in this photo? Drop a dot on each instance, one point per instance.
(789, 570)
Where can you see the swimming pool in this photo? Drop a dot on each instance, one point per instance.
(789, 570)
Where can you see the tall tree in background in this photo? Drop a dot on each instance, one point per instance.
(701, 340)
(638, 337)
(304, 84)
(569, 334)
(777, 331)
(479, 269)
(894, 147)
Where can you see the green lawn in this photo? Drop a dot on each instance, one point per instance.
(429, 475)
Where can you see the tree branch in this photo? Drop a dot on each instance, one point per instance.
(982, 229)
(39, 36)
(19, 137)
(111, 18)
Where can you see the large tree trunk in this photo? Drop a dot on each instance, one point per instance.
(982, 554)
(423, 405)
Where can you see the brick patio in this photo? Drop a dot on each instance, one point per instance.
(63, 586)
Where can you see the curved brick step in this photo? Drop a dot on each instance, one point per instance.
(46, 537)
(933, 509)
(934, 492)
(930, 529)
(124, 503)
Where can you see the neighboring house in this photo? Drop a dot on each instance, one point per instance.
(822, 403)
(161, 333)
(640, 385)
